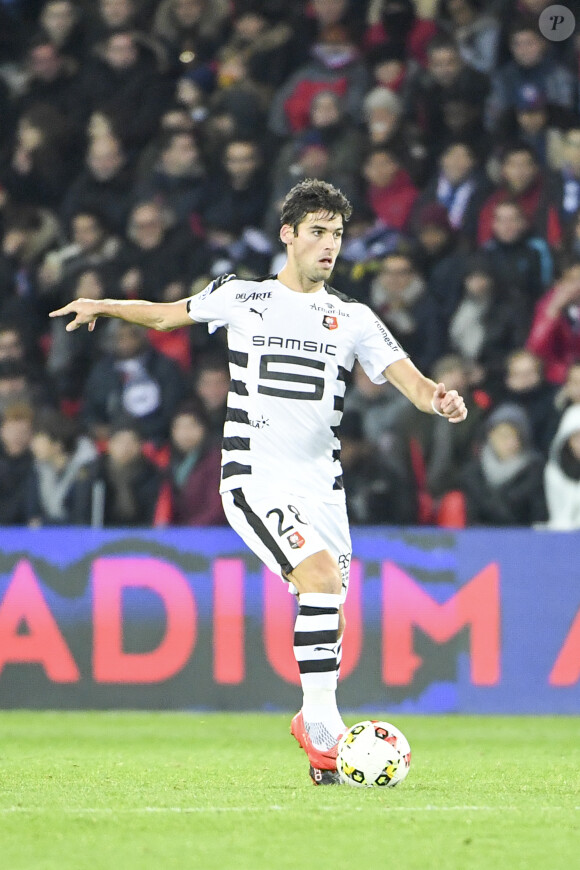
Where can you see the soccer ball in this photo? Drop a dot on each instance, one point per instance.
(373, 753)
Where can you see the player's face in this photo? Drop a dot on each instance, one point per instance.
(315, 245)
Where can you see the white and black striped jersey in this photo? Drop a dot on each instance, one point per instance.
(289, 353)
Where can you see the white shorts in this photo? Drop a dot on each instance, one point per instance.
(283, 530)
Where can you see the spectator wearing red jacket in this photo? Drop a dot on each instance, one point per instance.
(555, 332)
(390, 193)
(522, 180)
(194, 470)
(398, 23)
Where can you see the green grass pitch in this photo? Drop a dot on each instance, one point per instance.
(158, 791)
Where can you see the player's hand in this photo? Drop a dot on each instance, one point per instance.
(86, 311)
(449, 403)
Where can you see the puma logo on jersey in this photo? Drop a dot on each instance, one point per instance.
(260, 313)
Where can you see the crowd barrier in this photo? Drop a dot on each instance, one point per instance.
(438, 621)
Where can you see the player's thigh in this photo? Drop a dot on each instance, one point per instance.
(331, 522)
(275, 527)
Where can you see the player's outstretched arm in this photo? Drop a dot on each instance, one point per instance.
(154, 315)
(424, 393)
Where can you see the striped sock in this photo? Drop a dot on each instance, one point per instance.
(315, 648)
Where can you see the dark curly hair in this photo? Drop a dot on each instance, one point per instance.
(311, 196)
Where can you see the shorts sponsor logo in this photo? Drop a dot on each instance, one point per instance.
(330, 322)
(296, 540)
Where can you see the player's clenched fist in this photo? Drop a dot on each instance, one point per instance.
(449, 404)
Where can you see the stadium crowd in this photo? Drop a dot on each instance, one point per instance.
(146, 147)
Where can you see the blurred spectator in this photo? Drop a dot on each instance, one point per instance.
(444, 450)
(16, 386)
(175, 118)
(63, 22)
(398, 295)
(312, 159)
(555, 331)
(239, 195)
(532, 64)
(503, 486)
(15, 463)
(520, 258)
(571, 246)
(52, 78)
(386, 125)
(376, 491)
(475, 32)
(59, 457)
(537, 123)
(12, 33)
(438, 247)
(525, 385)
(328, 129)
(28, 234)
(42, 160)
(488, 322)
(391, 68)
(123, 81)
(194, 470)
(335, 65)
(72, 354)
(446, 72)
(112, 15)
(162, 259)
(211, 384)
(562, 473)
(389, 190)
(192, 30)
(396, 21)
(192, 93)
(91, 245)
(321, 15)
(569, 392)
(178, 183)
(459, 185)
(462, 118)
(135, 380)
(260, 48)
(566, 180)
(236, 111)
(15, 348)
(105, 185)
(379, 406)
(121, 487)
(365, 242)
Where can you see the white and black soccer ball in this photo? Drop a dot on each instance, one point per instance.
(373, 753)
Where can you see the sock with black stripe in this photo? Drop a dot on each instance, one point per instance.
(316, 648)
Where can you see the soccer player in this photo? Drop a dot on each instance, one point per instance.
(292, 339)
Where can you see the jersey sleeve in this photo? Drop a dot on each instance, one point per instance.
(213, 304)
(376, 348)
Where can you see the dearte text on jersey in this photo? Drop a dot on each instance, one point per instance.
(256, 297)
